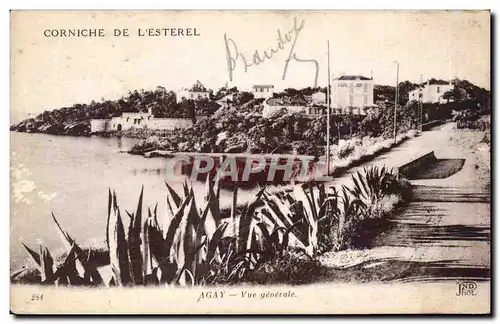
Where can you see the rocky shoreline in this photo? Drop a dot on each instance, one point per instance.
(81, 128)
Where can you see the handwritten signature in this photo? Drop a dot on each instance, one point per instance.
(233, 54)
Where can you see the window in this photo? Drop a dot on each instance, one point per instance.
(437, 89)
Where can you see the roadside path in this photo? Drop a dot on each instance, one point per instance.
(442, 234)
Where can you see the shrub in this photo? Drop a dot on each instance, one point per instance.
(376, 192)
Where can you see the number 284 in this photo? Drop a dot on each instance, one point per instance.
(36, 297)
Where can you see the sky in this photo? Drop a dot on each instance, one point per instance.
(52, 72)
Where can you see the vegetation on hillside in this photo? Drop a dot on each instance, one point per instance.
(162, 103)
(75, 120)
(233, 131)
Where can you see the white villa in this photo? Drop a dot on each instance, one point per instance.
(430, 93)
(263, 91)
(351, 94)
(197, 92)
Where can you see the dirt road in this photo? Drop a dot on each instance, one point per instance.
(443, 233)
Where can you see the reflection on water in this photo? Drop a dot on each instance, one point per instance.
(119, 142)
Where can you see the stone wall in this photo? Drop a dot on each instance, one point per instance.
(122, 124)
(99, 125)
(168, 123)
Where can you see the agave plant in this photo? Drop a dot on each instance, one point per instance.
(180, 254)
(299, 213)
(190, 244)
(371, 185)
(76, 269)
(346, 216)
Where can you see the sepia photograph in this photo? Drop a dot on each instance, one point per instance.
(250, 162)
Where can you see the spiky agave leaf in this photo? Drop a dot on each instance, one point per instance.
(185, 186)
(67, 272)
(210, 198)
(65, 238)
(283, 215)
(157, 264)
(134, 243)
(234, 205)
(118, 247)
(350, 207)
(322, 196)
(265, 233)
(176, 199)
(312, 218)
(68, 242)
(91, 275)
(217, 188)
(187, 244)
(16, 273)
(245, 222)
(173, 228)
(200, 246)
(110, 205)
(147, 256)
(214, 242)
(253, 253)
(186, 278)
(46, 265)
(34, 256)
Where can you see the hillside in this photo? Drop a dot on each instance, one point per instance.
(75, 120)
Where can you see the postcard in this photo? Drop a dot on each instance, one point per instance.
(250, 162)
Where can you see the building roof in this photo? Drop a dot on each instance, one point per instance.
(263, 86)
(198, 87)
(286, 101)
(352, 77)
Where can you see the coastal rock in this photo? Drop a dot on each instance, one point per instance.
(158, 153)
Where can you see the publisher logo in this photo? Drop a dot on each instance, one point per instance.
(466, 288)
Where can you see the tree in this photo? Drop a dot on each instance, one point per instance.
(188, 107)
(291, 92)
(243, 97)
(404, 89)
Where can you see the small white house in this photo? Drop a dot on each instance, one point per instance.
(430, 93)
(197, 92)
(263, 91)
